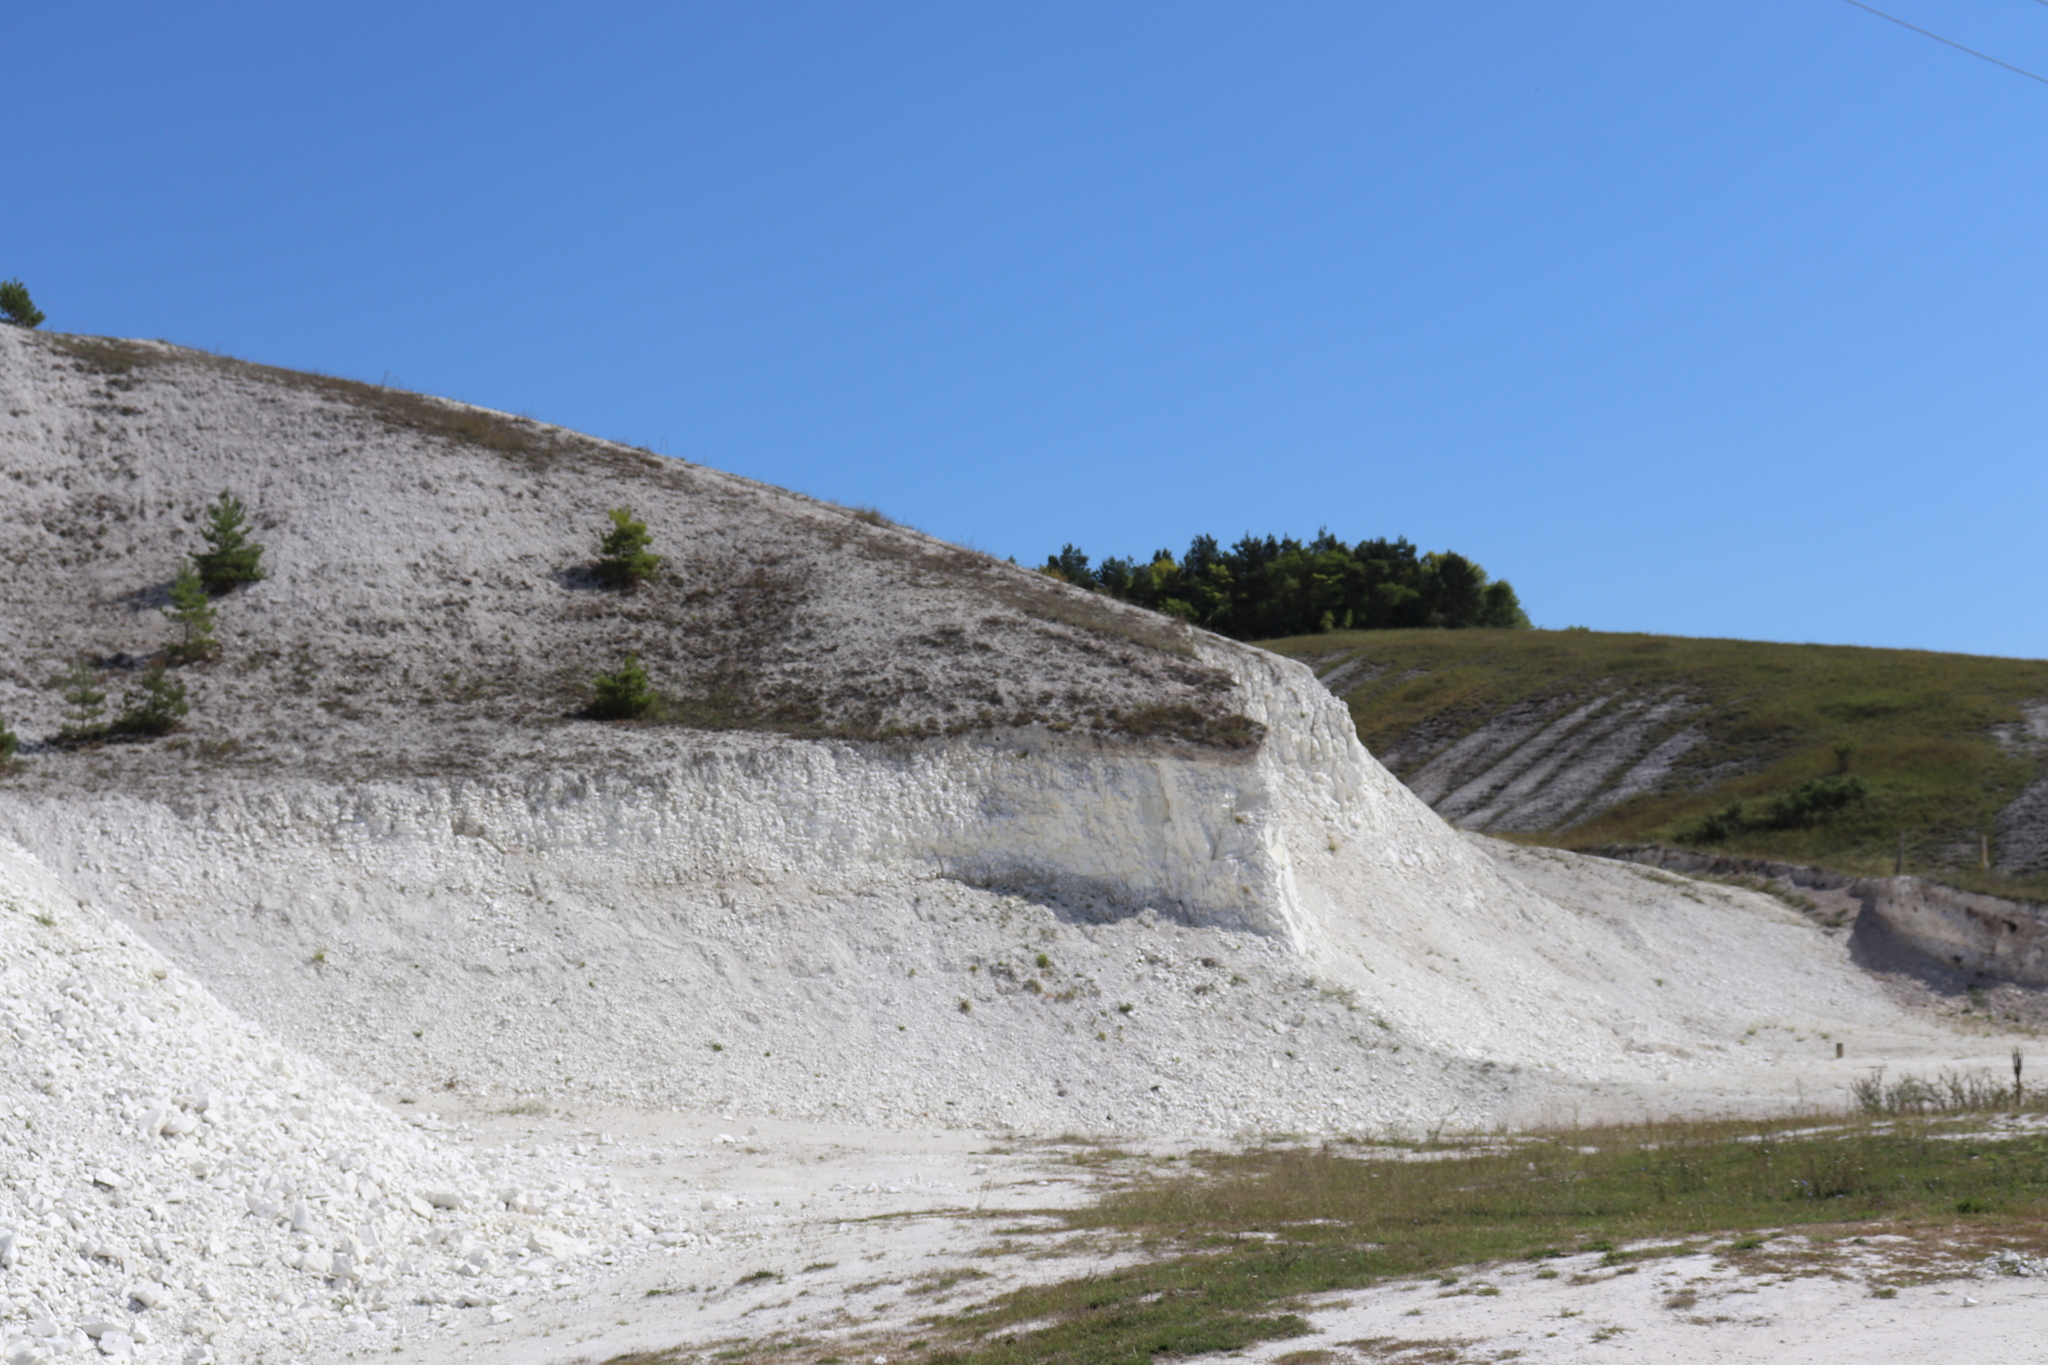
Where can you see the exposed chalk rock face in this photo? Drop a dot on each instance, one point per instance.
(769, 859)
(925, 838)
(390, 706)
(788, 927)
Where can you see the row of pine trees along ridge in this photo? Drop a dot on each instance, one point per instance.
(1263, 588)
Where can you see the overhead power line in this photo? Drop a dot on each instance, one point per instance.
(1950, 41)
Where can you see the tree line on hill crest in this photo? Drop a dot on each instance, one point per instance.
(1266, 588)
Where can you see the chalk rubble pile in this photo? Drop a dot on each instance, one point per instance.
(177, 1187)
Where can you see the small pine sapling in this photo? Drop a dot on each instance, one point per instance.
(192, 608)
(231, 558)
(9, 743)
(86, 720)
(157, 706)
(624, 560)
(622, 694)
(15, 306)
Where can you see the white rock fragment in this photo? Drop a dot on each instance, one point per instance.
(559, 1245)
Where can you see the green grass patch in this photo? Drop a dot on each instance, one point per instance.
(1244, 1237)
(1236, 1242)
(1917, 728)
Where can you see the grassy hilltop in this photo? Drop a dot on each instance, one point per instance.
(1939, 742)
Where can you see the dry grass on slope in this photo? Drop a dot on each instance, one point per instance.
(430, 580)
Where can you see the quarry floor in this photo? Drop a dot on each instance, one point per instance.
(849, 1236)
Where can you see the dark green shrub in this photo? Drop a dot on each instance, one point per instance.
(156, 706)
(623, 693)
(1805, 806)
(15, 306)
(1720, 825)
(192, 608)
(231, 557)
(8, 743)
(1811, 802)
(86, 720)
(624, 560)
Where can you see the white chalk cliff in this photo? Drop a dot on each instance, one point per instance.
(930, 837)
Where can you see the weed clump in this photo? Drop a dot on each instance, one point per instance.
(9, 743)
(1950, 1092)
(1191, 725)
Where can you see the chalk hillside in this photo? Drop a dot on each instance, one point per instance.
(921, 837)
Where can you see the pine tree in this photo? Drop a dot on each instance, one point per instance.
(623, 558)
(15, 306)
(233, 558)
(87, 720)
(623, 693)
(192, 609)
(156, 707)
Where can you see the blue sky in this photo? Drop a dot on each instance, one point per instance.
(1712, 320)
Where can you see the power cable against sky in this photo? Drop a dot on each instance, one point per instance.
(1950, 41)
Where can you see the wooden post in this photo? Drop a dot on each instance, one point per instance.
(1984, 852)
(1838, 1052)
(1899, 863)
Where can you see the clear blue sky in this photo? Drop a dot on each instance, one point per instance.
(1717, 319)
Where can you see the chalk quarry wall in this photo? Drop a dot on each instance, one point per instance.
(595, 929)
(962, 843)
(1198, 837)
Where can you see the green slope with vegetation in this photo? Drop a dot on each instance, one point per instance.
(1936, 743)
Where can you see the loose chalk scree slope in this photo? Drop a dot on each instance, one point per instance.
(927, 838)
(164, 1154)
